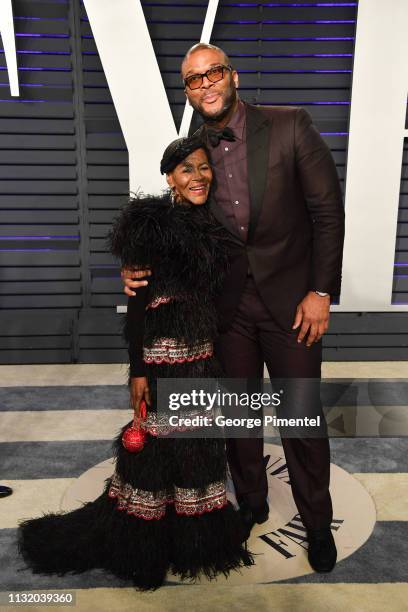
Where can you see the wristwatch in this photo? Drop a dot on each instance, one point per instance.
(321, 293)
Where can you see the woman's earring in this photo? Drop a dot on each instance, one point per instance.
(173, 196)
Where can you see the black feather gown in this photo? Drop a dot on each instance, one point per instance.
(164, 508)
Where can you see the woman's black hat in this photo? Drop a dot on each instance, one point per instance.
(178, 150)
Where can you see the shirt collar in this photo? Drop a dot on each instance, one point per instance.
(237, 121)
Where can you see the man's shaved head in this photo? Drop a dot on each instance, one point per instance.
(199, 47)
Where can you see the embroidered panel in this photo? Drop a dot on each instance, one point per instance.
(158, 424)
(195, 501)
(148, 505)
(143, 504)
(170, 350)
(156, 302)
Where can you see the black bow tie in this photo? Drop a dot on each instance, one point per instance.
(214, 136)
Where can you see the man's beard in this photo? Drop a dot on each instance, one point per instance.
(228, 103)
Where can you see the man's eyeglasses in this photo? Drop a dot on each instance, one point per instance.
(213, 74)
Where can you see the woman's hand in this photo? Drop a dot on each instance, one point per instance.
(139, 390)
(129, 278)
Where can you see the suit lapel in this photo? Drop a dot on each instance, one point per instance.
(258, 131)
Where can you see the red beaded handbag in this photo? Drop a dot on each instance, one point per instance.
(134, 437)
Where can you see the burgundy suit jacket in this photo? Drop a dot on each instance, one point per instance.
(296, 228)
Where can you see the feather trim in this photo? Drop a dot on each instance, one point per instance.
(183, 244)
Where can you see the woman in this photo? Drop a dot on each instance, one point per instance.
(165, 507)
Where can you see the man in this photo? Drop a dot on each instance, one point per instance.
(279, 196)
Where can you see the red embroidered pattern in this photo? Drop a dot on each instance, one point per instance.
(158, 301)
(158, 424)
(148, 505)
(189, 501)
(143, 504)
(170, 350)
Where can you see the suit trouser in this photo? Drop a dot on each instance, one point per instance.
(253, 339)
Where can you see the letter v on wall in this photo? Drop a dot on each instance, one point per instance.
(9, 45)
(136, 86)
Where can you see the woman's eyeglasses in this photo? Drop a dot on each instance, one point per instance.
(213, 74)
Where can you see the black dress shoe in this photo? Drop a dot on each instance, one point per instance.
(322, 552)
(250, 516)
(5, 491)
(261, 514)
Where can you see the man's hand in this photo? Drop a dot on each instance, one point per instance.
(313, 315)
(128, 274)
(139, 389)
